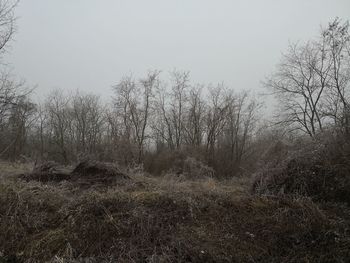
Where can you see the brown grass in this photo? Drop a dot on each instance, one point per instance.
(153, 219)
(8, 169)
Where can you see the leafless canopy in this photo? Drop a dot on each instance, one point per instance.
(312, 82)
(7, 22)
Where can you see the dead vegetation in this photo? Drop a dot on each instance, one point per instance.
(188, 135)
(159, 219)
(47, 172)
(97, 212)
(154, 224)
(320, 170)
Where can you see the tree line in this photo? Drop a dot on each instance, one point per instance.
(155, 122)
(146, 117)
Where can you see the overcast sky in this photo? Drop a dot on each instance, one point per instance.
(90, 44)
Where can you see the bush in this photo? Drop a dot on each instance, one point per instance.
(194, 169)
(319, 169)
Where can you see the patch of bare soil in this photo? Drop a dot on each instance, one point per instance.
(94, 173)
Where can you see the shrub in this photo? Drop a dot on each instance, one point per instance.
(319, 169)
(195, 169)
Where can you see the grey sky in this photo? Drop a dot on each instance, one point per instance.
(90, 44)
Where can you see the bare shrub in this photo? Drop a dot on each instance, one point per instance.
(317, 169)
(188, 168)
(47, 172)
(195, 169)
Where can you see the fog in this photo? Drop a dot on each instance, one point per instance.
(117, 155)
(90, 45)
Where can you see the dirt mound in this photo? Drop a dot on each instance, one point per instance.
(90, 167)
(86, 174)
(47, 172)
(90, 172)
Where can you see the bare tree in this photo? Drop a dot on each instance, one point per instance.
(149, 84)
(7, 22)
(162, 125)
(40, 131)
(299, 84)
(88, 122)
(337, 39)
(57, 106)
(215, 119)
(134, 104)
(194, 125)
(178, 97)
(8, 90)
(18, 122)
(14, 106)
(240, 125)
(312, 82)
(171, 103)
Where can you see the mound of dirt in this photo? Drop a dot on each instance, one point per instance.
(90, 172)
(47, 172)
(86, 174)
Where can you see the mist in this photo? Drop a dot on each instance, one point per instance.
(89, 45)
(175, 131)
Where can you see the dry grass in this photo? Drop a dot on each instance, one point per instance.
(9, 169)
(153, 219)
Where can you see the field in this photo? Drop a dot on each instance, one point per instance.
(178, 133)
(141, 218)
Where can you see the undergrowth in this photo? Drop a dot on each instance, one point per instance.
(151, 219)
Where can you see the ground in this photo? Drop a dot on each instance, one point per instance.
(164, 219)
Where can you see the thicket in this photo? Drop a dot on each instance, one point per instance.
(160, 124)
